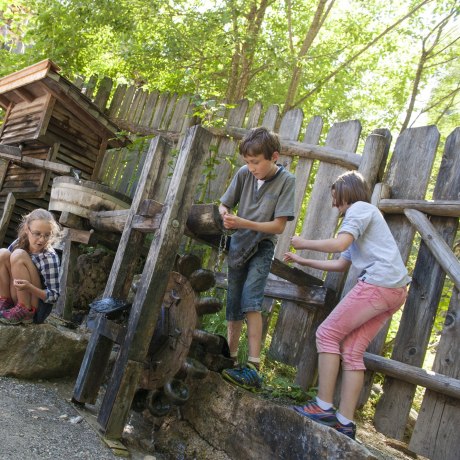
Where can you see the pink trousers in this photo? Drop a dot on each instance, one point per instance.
(356, 320)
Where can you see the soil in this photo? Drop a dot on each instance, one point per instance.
(38, 421)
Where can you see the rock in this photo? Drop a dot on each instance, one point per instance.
(40, 351)
(247, 427)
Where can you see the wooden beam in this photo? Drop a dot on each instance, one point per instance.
(24, 94)
(294, 148)
(411, 374)
(310, 297)
(444, 208)
(438, 247)
(150, 293)
(10, 152)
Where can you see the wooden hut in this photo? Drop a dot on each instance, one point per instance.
(50, 120)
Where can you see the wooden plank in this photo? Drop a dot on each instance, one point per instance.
(320, 223)
(7, 211)
(149, 109)
(374, 156)
(126, 104)
(103, 93)
(140, 106)
(435, 434)
(149, 296)
(270, 119)
(179, 116)
(254, 115)
(120, 276)
(227, 150)
(405, 185)
(434, 381)
(420, 307)
(135, 105)
(116, 101)
(283, 334)
(311, 297)
(160, 109)
(88, 89)
(169, 111)
(436, 430)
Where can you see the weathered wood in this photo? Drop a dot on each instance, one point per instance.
(413, 146)
(310, 297)
(420, 308)
(441, 251)
(283, 333)
(148, 299)
(320, 222)
(227, 150)
(303, 150)
(6, 215)
(435, 434)
(81, 197)
(374, 155)
(10, 152)
(437, 382)
(204, 219)
(445, 208)
(103, 92)
(120, 278)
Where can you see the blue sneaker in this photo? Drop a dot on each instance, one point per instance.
(348, 430)
(314, 412)
(245, 377)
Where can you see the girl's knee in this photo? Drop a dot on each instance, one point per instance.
(326, 340)
(19, 255)
(353, 361)
(5, 256)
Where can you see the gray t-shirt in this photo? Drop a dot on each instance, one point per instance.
(275, 198)
(374, 251)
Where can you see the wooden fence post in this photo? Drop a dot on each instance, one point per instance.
(425, 291)
(414, 146)
(320, 222)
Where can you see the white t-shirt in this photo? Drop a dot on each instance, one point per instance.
(374, 251)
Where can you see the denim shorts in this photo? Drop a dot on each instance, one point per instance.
(246, 285)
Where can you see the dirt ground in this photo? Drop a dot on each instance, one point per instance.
(38, 421)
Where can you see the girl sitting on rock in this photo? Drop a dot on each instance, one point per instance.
(29, 271)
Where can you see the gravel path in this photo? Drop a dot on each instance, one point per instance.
(38, 423)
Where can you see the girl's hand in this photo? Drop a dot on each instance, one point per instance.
(21, 285)
(290, 257)
(296, 242)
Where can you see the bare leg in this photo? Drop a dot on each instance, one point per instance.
(328, 369)
(23, 268)
(352, 382)
(233, 334)
(254, 319)
(5, 273)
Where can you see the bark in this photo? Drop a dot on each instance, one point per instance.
(246, 41)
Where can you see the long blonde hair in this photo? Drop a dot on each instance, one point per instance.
(37, 214)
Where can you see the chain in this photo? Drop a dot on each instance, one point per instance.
(221, 250)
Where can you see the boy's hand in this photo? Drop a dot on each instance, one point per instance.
(231, 221)
(296, 242)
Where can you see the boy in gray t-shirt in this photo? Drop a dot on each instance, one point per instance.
(264, 194)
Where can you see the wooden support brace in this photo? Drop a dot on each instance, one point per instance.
(149, 296)
(438, 247)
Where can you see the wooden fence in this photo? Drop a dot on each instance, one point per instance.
(406, 176)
